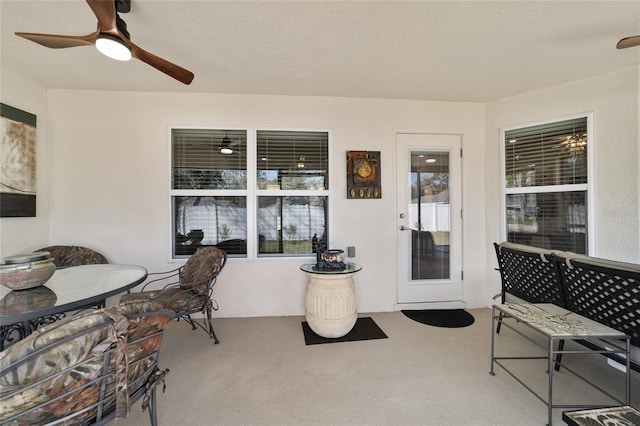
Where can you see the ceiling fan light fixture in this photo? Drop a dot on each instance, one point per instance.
(225, 148)
(113, 47)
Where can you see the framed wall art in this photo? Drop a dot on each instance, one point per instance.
(363, 174)
(17, 162)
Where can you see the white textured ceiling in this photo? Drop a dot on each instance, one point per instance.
(435, 50)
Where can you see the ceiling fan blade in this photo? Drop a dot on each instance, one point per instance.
(181, 74)
(109, 23)
(105, 11)
(60, 41)
(629, 42)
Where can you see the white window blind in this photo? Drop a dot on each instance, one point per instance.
(550, 154)
(292, 160)
(199, 163)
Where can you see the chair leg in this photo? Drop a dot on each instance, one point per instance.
(559, 356)
(190, 321)
(207, 327)
(212, 333)
(153, 415)
(499, 323)
(149, 400)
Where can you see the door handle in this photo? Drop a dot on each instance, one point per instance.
(403, 228)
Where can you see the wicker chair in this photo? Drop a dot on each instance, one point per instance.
(86, 369)
(188, 289)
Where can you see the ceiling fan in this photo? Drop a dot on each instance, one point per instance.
(111, 34)
(629, 42)
(228, 146)
(574, 144)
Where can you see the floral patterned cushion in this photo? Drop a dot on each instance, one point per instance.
(57, 369)
(143, 343)
(175, 299)
(19, 390)
(201, 268)
(65, 256)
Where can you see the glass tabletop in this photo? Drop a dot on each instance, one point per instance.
(313, 269)
(67, 289)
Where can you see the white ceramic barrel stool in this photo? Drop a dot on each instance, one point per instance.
(330, 301)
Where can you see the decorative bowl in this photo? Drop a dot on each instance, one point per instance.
(21, 301)
(21, 276)
(26, 258)
(333, 256)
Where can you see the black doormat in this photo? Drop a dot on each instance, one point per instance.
(364, 329)
(451, 318)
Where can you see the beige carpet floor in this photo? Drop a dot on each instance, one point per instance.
(262, 373)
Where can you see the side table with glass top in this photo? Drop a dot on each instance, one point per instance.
(330, 300)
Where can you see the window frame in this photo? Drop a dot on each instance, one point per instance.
(251, 193)
(587, 187)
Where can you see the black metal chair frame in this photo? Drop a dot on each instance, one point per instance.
(206, 308)
(564, 279)
(530, 276)
(613, 297)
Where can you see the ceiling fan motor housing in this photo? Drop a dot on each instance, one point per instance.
(123, 6)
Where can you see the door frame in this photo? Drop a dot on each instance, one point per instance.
(403, 255)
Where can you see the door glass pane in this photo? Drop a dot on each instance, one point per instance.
(429, 215)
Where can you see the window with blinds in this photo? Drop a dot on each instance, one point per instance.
(212, 203)
(296, 162)
(208, 159)
(546, 185)
(293, 160)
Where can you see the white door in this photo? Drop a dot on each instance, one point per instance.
(429, 224)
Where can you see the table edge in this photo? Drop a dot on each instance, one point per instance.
(6, 321)
(333, 272)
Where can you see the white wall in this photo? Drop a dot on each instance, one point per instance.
(103, 163)
(614, 99)
(20, 235)
(110, 171)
